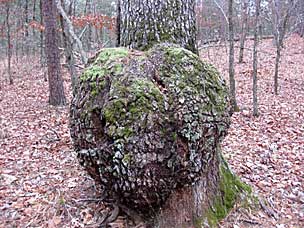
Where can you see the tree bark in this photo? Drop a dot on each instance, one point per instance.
(231, 56)
(68, 49)
(88, 36)
(57, 96)
(26, 12)
(145, 23)
(280, 25)
(9, 45)
(244, 31)
(72, 34)
(141, 25)
(255, 59)
(41, 36)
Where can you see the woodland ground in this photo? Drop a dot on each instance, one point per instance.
(42, 185)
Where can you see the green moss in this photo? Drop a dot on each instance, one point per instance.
(92, 73)
(129, 104)
(174, 136)
(231, 188)
(111, 54)
(127, 159)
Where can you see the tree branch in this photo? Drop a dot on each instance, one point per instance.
(83, 54)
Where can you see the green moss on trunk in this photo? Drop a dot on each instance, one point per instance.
(231, 190)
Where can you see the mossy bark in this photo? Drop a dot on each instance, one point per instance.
(147, 127)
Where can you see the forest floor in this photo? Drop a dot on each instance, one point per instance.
(42, 185)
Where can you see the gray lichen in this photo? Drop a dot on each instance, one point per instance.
(146, 123)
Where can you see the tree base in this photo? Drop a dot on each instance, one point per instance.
(206, 202)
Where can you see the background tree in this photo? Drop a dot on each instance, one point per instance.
(280, 15)
(231, 56)
(255, 58)
(9, 44)
(57, 96)
(244, 28)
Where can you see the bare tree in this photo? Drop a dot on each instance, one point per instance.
(300, 27)
(68, 49)
(255, 58)
(244, 28)
(70, 30)
(280, 12)
(9, 45)
(231, 56)
(57, 96)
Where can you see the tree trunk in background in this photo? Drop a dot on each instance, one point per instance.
(88, 36)
(255, 59)
(300, 28)
(276, 70)
(57, 96)
(26, 12)
(9, 45)
(244, 30)
(41, 35)
(118, 21)
(145, 23)
(280, 24)
(33, 29)
(68, 50)
(231, 56)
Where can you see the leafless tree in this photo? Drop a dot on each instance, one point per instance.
(9, 44)
(244, 28)
(56, 88)
(280, 15)
(255, 58)
(231, 56)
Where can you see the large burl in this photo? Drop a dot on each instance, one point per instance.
(147, 123)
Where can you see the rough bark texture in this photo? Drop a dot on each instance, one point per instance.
(148, 124)
(9, 48)
(68, 49)
(231, 57)
(145, 23)
(57, 96)
(255, 60)
(244, 30)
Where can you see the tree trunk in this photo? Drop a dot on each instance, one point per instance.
(280, 24)
(9, 45)
(33, 29)
(244, 31)
(41, 36)
(26, 12)
(276, 70)
(68, 50)
(255, 60)
(231, 56)
(145, 23)
(206, 201)
(72, 34)
(57, 96)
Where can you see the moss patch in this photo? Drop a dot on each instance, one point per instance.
(111, 54)
(231, 189)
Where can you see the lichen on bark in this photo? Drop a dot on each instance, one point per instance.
(147, 123)
(143, 24)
